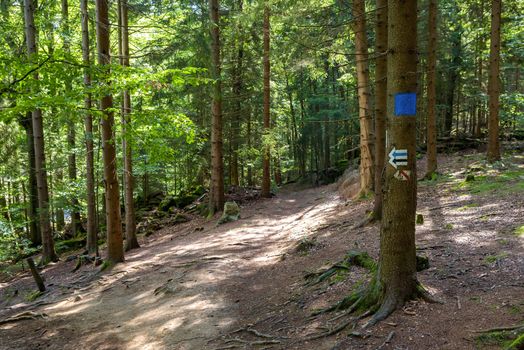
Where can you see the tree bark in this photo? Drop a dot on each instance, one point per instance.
(432, 98)
(266, 175)
(71, 132)
(366, 143)
(115, 249)
(494, 83)
(32, 212)
(92, 232)
(130, 222)
(381, 70)
(216, 194)
(48, 247)
(397, 262)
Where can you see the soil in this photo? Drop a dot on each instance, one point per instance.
(241, 284)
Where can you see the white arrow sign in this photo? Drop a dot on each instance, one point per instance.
(398, 157)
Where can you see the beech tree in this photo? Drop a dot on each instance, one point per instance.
(115, 248)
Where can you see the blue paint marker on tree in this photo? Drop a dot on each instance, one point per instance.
(406, 104)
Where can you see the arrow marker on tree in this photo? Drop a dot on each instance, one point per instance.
(398, 157)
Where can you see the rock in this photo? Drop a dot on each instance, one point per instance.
(422, 263)
(470, 177)
(231, 213)
(420, 219)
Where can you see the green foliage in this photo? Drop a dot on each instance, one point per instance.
(519, 231)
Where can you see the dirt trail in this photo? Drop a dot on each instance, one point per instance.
(197, 286)
(176, 292)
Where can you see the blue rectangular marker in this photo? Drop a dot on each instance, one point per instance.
(406, 104)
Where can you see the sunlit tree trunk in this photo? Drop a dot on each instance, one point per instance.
(366, 142)
(216, 193)
(432, 98)
(130, 223)
(494, 83)
(115, 249)
(266, 176)
(48, 247)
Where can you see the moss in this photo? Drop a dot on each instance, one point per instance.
(519, 231)
(494, 258)
(517, 344)
(449, 227)
(34, 295)
(70, 244)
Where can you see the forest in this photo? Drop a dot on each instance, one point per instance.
(261, 174)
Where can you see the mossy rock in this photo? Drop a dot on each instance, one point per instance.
(304, 246)
(231, 213)
(470, 178)
(70, 244)
(420, 219)
(166, 203)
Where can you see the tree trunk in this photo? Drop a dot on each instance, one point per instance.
(216, 194)
(432, 77)
(397, 262)
(266, 176)
(32, 212)
(381, 70)
(494, 83)
(48, 247)
(235, 122)
(71, 132)
(115, 249)
(366, 143)
(130, 223)
(92, 232)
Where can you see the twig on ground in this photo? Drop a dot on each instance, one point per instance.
(387, 341)
(459, 306)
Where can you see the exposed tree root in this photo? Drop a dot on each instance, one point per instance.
(28, 315)
(501, 329)
(353, 258)
(372, 300)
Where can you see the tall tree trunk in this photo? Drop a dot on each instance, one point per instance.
(364, 109)
(235, 122)
(48, 246)
(130, 223)
(216, 194)
(115, 249)
(456, 60)
(432, 98)
(92, 232)
(494, 83)
(397, 263)
(381, 70)
(32, 212)
(71, 132)
(266, 176)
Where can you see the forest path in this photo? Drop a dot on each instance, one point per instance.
(197, 286)
(184, 287)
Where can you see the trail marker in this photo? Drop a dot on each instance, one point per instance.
(398, 157)
(406, 104)
(403, 175)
